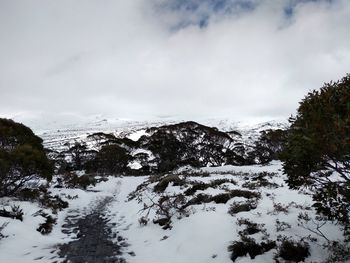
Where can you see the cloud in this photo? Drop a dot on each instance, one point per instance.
(190, 59)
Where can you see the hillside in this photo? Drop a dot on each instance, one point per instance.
(201, 210)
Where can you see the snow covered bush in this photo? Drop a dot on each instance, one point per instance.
(164, 208)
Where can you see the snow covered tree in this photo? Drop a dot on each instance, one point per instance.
(317, 152)
(22, 157)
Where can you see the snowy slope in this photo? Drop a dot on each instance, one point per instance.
(204, 235)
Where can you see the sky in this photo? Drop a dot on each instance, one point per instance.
(139, 59)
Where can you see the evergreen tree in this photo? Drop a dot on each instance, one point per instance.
(317, 152)
(22, 157)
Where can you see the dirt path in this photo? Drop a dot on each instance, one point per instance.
(94, 237)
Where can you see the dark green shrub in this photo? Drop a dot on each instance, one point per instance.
(15, 213)
(248, 246)
(237, 207)
(72, 180)
(111, 159)
(165, 181)
(200, 186)
(293, 251)
(46, 227)
(55, 203)
(318, 145)
(22, 157)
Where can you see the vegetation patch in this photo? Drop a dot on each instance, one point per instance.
(165, 208)
(165, 181)
(222, 198)
(245, 206)
(200, 186)
(293, 251)
(248, 246)
(15, 213)
(259, 180)
(251, 228)
(72, 180)
(46, 227)
(55, 203)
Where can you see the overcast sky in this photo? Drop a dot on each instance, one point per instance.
(158, 58)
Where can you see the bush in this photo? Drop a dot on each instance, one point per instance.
(2, 227)
(237, 207)
(55, 203)
(222, 198)
(111, 159)
(165, 181)
(251, 228)
(72, 180)
(15, 213)
(269, 145)
(317, 150)
(22, 157)
(197, 186)
(293, 251)
(250, 247)
(46, 227)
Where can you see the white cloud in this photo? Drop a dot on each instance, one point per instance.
(121, 58)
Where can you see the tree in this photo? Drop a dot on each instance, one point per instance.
(269, 145)
(22, 157)
(111, 159)
(317, 151)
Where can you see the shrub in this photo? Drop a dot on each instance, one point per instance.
(72, 180)
(222, 198)
(53, 202)
(28, 194)
(260, 180)
(166, 207)
(293, 251)
(251, 228)
(270, 145)
(250, 247)
(165, 181)
(1, 229)
(22, 157)
(111, 159)
(197, 186)
(46, 227)
(237, 207)
(318, 148)
(15, 213)
(281, 226)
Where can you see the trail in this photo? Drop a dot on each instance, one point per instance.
(97, 240)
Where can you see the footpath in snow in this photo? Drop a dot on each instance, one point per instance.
(207, 211)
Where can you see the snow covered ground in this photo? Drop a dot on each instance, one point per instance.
(203, 235)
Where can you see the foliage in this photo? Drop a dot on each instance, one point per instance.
(293, 251)
(269, 145)
(249, 246)
(189, 143)
(15, 213)
(72, 180)
(46, 227)
(111, 159)
(22, 157)
(317, 151)
(164, 182)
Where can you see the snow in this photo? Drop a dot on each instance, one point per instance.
(203, 236)
(135, 165)
(137, 135)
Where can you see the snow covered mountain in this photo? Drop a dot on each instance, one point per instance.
(163, 145)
